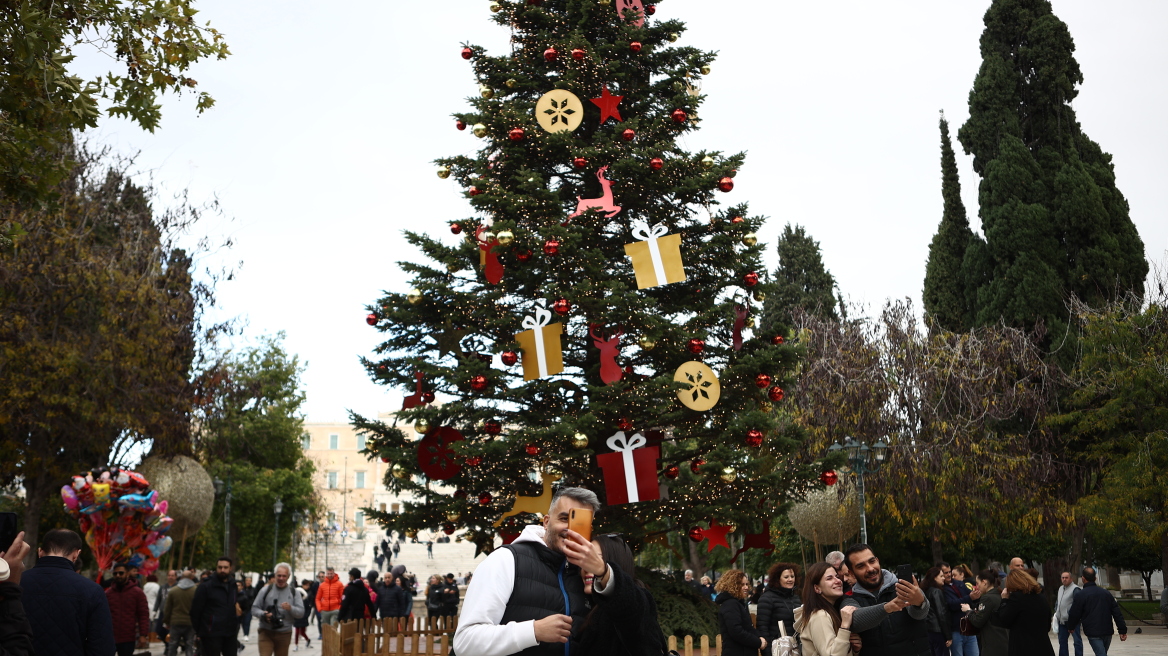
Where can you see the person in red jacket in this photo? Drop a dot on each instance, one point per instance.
(131, 613)
(328, 597)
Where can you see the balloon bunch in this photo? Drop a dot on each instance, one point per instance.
(121, 517)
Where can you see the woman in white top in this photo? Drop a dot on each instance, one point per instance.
(824, 629)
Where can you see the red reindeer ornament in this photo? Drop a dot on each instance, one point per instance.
(603, 204)
(492, 267)
(610, 371)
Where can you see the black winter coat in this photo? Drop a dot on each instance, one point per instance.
(739, 637)
(69, 613)
(1028, 618)
(1094, 607)
(939, 621)
(623, 623)
(775, 605)
(393, 601)
(213, 608)
(15, 633)
(354, 600)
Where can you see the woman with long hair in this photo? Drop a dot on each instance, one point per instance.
(824, 628)
(434, 596)
(739, 637)
(994, 638)
(1026, 613)
(940, 637)
(779, 601)
(624, 620)
(300, 624)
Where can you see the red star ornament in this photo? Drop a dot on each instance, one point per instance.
(717, 535)
(608, 105)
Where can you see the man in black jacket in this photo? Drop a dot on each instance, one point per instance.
(392, 599)
(69, 613)
(214, 612)
(450, 596)
(1095, 608)
(892, 615)
(355, 599)
(15, 632)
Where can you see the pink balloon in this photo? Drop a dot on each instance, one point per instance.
(69, 496)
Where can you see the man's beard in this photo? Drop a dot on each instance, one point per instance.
(222, 576)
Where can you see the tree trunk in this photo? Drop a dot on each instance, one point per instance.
(1164, 559)
(937, 556)
(695, 559)
(36, 490)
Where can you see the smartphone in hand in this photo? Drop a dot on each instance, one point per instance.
(904, 573)
(8, 530)
(580, 520)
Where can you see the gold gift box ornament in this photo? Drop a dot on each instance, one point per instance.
(543, 355)
(657, 257)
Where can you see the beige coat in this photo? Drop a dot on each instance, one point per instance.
(817, 637)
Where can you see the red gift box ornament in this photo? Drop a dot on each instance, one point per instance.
(630, 472)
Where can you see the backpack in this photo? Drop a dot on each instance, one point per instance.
(785, 645)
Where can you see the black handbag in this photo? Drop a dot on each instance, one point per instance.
(966, 627)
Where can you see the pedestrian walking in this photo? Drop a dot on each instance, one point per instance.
(822, 622)
(356, 601)
(328, 597)
(739, 637)
(150, 589)
(68, 613)
(129, 611)
(430, 549)
(246, 595)
(301, 623)
(156, 624)
(892, 615)
(450, 597)
(315, 587)
(15, 631)
(958, 593)
(278, 605)
(434, 588)
(1063, 599)
(779, 601)
(940, 634)
(994, 639)
(396, 549)
(393, 601)
(176, 615)
(215, 612)
(625, 620)
(1095, 608)
(1026, 613)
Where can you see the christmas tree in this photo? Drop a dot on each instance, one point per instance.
(592, 325)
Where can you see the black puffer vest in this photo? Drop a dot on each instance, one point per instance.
(898, 635)
(543, 580)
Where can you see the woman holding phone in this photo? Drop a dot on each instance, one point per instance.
(623, 621)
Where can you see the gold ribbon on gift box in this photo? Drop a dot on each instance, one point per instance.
(542, 354)
(657, 257)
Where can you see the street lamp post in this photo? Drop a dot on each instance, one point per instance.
(279, 508)
(220, 487)
(863, 460)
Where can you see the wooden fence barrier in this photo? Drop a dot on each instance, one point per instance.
(703, 648)
(390, 637)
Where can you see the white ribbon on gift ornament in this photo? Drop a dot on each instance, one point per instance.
(535, 323)
(625, 447)
(642, 231)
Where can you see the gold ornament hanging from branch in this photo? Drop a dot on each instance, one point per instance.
(559, 110)
(702, 389)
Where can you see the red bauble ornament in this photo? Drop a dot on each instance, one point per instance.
(474, 191)
(428, 397)
(478, 382)
(578, 53)
(460, 494)
(696, 345)
(448, 528)
(551, 247)
(485, 499)
(650, 10)
(523, 255)
(777, 340)
(509, 358)
(517, 134)
(580, 163)
(467, 53)
(474, 461)
(562, 306)
(532, 450)
(550, 54)
(493, 427)
(635, 46)
(696, 534)
(460, 125)
(455, 229)
(695, 465)
(629, 369)
(762, 380)
(754, 437)
(776, 393)
(656, 163)
(385, 460)
(624, 424)
(629, 134)
(671, 472)
(535, 3)
(726, 183)
(829, 477)
(679, 116)
(737, 220)
(371, 319)
(751, 279)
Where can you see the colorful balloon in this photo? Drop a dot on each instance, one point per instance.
(122, 519)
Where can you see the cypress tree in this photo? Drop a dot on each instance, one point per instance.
(1054, 221)
(801, 281)
(946, 301)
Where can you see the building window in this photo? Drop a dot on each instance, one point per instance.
(395, 508)
(360, 442)
(332, 519)
(382, 508)
(359, 519)
(306, 441)
(334, 442)
(360, 480)
(332, 480)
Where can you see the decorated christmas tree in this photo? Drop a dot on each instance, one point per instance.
(594, 324)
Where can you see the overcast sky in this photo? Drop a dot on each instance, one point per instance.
(328, 118)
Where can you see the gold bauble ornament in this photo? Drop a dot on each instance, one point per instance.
(496, 7)
(452, 267)
(487, 236)
(766, 406)
(486, 92)
(511, 83)
(411, 534)
(647, 343)
(559, 110)
(760, 296)
(453, 516)
(444, 172)
(604, 3)
(505, 237)
(706, 70)
(750, 322)
(414, 296)
(678, 86)
(674, 37)
(399, 472)
(707, 162)
(729, 475)
(750, 239)
(479, 130)
(704, 389)
(732, 526)
(580, 441)
(422, 426)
